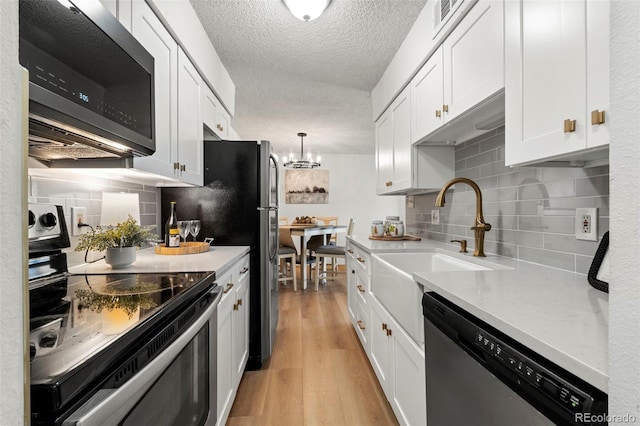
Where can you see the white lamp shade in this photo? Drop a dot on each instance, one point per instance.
(306, 10)
(117, 206)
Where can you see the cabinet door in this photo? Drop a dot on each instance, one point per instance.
(545, 78)
(384, 153)
(225, 389)
(241, 323)
(190, 130)
(401, 113)
(209, 108)
(427, 98)
(597, 71)
(409, 387)
(150, 32)
(380, 353)
(474, 58)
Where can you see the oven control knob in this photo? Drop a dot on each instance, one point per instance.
(32, 219)
(48, 220)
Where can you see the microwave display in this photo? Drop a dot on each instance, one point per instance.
(69, 55)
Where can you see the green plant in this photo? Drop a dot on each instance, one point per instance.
(125, 234)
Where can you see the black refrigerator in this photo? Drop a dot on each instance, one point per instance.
(238, 206)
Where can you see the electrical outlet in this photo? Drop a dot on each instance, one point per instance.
(78, 215)
(411, 201)
(435, 217)
(587, 224)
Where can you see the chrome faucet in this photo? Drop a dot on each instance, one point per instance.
(480, 227)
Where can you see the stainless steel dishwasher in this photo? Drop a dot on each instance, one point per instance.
(477, 375)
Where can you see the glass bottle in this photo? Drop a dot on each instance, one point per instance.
(172, 234)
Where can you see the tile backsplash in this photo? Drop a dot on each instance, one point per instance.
(531, 209)
(69, 190)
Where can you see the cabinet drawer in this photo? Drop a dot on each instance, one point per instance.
(362, 320)
(361, 287)
(363, 260)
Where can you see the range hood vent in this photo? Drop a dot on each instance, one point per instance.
(60, 145)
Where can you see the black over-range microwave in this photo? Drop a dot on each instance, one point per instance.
(91, 83)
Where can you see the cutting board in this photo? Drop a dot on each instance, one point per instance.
(390, 238)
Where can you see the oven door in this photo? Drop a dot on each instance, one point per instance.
(177, 388)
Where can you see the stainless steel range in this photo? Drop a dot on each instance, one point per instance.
(117, 348)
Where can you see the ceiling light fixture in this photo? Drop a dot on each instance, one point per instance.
(309, 163)
(306, 10)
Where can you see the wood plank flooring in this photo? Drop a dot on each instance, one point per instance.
(318, 373)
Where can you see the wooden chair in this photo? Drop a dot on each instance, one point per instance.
(333, 251)
(287, 256)
(318, 240)
(329, 220)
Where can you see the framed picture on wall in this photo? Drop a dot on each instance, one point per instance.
(306, 186)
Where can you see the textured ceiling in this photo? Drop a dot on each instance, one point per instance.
(316, 77)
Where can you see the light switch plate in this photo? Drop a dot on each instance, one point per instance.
(78, 215)
(587, 224)
(411, 201)
(435, 217)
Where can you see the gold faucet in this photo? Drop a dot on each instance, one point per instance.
(480, 227)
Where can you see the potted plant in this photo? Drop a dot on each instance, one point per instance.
(120, 241)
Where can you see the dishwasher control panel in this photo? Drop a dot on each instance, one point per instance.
(564, 394)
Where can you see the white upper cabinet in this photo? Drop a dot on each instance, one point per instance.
(150, 32)
(466, 70)
(215, 116)
(190, 130)
(557, 77)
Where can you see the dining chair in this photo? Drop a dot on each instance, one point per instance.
(287, 257)
(329, 220)
(333, 251)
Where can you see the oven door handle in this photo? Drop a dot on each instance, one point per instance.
(110, 406)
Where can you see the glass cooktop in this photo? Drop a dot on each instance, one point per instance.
(80, 317)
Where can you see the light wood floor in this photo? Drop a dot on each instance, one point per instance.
(318, 373)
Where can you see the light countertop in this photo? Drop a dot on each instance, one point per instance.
(555, 313)
(217, 259)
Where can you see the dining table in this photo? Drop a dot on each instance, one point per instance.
(305, 231)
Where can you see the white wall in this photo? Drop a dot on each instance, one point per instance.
(13, 244)
(352, 193)
(624, 297)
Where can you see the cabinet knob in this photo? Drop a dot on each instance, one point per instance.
(569, 126)
(384, 326)
(445, 108)
(183, 168)
(239, 302)
(597, 117)
(388, 332)
(438, 113)
(220, 127)
(235, 306)
(176, 166)
(388, 183)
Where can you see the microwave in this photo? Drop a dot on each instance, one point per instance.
(91, 83)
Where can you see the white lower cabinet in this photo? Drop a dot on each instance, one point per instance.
(396, 359)
(399, 365)
(233, 334)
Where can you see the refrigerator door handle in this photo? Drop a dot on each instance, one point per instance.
(270, 208)
(275, 163)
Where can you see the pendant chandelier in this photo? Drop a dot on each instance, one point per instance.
(306, 10)
(301, 163)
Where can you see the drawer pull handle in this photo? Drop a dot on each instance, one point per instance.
(239, 302)
(384, 326)
(361, 325)
(438, 113)
(360, 288)
(445, 108)
(235, 306)
(350, 251)
(361, 260)
(597, 117)
(388, 332)
(569, 126)
(229, 287)
(244, 270)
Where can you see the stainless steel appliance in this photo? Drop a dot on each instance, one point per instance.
(117, 348)
(90, 84)
(238, 205)
(477, 375)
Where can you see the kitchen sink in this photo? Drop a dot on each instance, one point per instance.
(393, 285)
